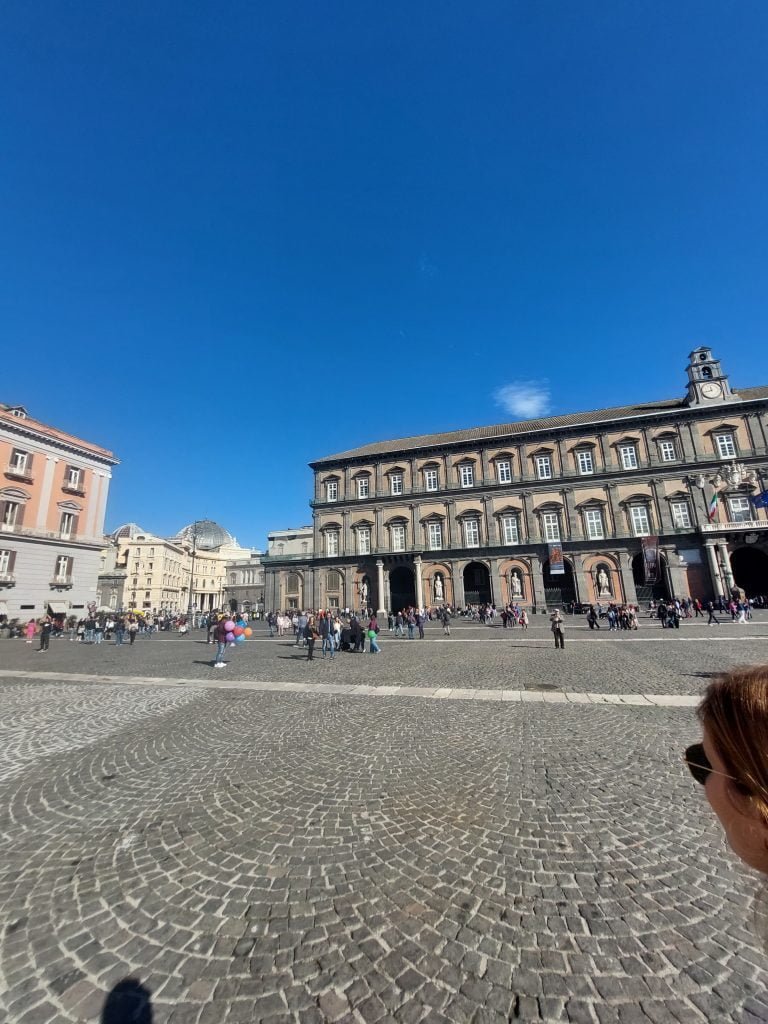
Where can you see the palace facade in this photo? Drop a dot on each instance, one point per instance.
(476, 515)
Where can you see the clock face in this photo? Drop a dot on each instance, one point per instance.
(711, 389)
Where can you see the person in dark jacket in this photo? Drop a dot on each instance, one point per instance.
(310, 635)
(356, 633)
(45, 634)
(220, 635)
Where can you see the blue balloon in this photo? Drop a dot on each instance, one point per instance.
(240, 639)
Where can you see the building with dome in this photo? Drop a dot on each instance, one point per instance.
(148, 573)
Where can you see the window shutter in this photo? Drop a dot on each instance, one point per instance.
(30, 462)
(2, 511)
(70, 563)
(20, 514)
(75, 522)
(11, 560)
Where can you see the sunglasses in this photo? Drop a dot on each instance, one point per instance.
(699, 765)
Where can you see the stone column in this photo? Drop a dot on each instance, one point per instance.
(663, 514)
(378, 539)
(453, 538)
(380, 587)
(458, 585)
(378, 481)
(606, 452)
(532, 533)
(419, 582)
(627, 579)
(678, 578)
(714, 568)
(45, 493)
(537, 581)
(486, 470)
(688, 453)
(346, 494)
(491, 524)
(725, 566)
(387, 591)
(497, 590)
(572, 518)
(525, 466)
(346, 534)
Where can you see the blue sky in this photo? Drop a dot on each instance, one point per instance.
(235, 237)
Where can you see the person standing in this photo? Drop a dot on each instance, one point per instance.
(220, 635)
(45, 634)
(420, 623)
(325, 628)
(310, 635)
(29, 630)
(133, 628)
(373, 646)
(557, 625)
(119, 630)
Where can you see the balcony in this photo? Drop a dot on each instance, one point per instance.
(70, 489)
(19, 473)
(750, 524)
(60, 535)
(7, 579)
(61, 583)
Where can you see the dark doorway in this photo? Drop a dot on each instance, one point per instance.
(402, 588)
(477, 584)
(559, 589)
(647, 592)
(750, 570)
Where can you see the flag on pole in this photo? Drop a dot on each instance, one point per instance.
(712, 508)
(760, 500)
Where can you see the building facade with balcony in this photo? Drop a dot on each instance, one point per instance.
(473, 515)
(53, 498)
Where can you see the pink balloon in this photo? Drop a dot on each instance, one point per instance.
(229, 625)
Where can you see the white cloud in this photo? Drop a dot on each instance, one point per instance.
(524, 398)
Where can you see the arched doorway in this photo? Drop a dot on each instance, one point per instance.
(646, 592)
(477, 584)
(402, 588)
(559, 588)
(750, 570)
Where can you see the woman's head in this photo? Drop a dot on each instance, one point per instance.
(734, 719)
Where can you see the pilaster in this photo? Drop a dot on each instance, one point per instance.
(572, 518)
(537, 580)
(491, 525)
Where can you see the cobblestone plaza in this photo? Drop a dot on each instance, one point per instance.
(475, 828)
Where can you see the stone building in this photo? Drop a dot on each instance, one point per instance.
(53, 498)
(623, 504)
(245, 583)
(159, 570)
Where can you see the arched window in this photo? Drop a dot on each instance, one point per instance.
(292, 584)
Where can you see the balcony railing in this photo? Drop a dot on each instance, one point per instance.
(61, 582)
(750, 524)
(7, 579)
(63, 535)
(19, 473)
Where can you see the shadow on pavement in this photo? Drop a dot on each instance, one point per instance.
(129, 1002)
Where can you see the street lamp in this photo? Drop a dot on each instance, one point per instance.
(190, 607)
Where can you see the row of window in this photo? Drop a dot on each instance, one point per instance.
(640, 521)
(12, 514)
(62, 566)
(725, 447)
(21, 465)
(247, 577)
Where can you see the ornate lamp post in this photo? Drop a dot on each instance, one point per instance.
(191, 605)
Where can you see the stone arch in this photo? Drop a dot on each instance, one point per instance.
(560, 588)
(430, 574)
(477, 583)
(507, 569)
(612, 568)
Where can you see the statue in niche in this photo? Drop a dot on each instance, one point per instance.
(439, 587)
(516, 584)
(364, 593)
(603, 583)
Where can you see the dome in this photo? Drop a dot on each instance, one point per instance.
(209, 535)
(128, 532)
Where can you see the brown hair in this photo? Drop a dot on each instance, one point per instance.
(735, 714)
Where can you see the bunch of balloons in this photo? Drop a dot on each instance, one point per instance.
(237, 634)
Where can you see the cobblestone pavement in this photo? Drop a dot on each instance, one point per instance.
(276, 857)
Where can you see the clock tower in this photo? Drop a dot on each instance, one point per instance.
(707, 384)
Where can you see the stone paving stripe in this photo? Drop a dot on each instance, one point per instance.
(362, 690)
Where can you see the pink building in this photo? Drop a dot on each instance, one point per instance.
(53, 498)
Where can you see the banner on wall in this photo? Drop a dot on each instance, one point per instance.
(556, 563)
(650, 559)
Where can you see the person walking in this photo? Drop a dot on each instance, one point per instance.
(119, 630)
(325, 629)
(445, 618)
(133, 629)
(29, 630)
(45, 634)
(373, 644)
(712, 617)
(557, 625)
(356, 635)
(420, 623)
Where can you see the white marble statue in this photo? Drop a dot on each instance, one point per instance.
(364, 593)
(603, 584)
(516, 584)
(438, 587)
